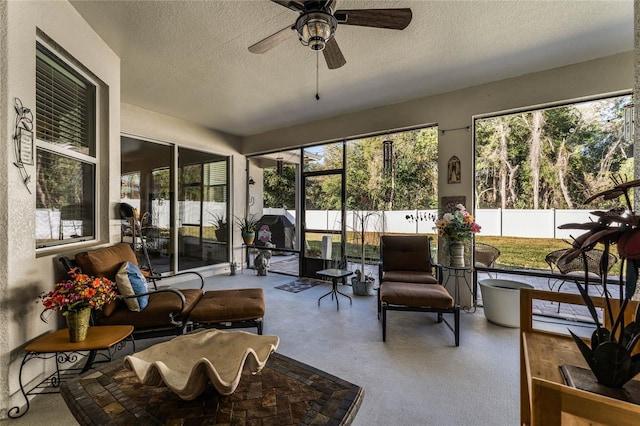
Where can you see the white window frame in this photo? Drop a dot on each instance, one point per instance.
(72, 154)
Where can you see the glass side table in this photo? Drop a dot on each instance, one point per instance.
(335, 275)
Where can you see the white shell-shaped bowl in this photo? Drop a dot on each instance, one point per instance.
(187, 363)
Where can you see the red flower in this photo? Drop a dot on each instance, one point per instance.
(79, 292)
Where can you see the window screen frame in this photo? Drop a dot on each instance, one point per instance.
(83, 155)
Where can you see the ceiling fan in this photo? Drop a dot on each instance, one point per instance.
(317, 23)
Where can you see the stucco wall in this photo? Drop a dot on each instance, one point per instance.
(4, 243)
(24, 274)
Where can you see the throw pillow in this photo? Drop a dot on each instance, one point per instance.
(130, 281)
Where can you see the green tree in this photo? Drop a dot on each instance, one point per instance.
(552, 158)
(280, 189)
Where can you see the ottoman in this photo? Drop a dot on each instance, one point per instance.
(240, 308)
(417, 297)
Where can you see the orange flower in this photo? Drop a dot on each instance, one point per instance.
(79, 292)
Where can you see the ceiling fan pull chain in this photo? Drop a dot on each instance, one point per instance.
(317, 75)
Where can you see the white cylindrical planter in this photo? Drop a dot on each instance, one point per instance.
(326, 247)
(501, 299)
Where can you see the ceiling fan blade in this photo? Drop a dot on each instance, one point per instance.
(296, 5)
(333, 55)
(272, 41)
(394, 19)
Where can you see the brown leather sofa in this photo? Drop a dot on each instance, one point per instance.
(170, 310)
(408, 283)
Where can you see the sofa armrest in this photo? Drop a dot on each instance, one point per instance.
(172, 315)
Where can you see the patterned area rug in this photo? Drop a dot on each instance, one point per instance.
(301, 284)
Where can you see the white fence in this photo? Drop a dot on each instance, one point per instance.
(49, 224)
(494, 222)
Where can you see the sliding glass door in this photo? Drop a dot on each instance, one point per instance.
(203, 229)
(180, 232)
(145, 184)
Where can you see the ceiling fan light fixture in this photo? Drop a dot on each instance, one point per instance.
(315, 29)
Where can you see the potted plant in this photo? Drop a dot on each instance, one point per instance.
(362, 283)
(611, 352)
(222, 229)
(75, 298)
(247, 226)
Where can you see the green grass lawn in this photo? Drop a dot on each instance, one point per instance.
(525, 253)
(529, 253)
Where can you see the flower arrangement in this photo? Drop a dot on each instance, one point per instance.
(79, 292)
(457, 226)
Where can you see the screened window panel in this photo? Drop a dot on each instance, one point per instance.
(65, 118)
(65, 200)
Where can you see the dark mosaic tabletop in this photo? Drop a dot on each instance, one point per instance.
(285, 392)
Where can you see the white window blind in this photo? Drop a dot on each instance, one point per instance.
(64, 105)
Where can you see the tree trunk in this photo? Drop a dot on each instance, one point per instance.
(503, 128)
(605, 165)
(562, 163)
(507, 171)
(535, 151)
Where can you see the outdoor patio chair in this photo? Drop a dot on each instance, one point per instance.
(485, 255)
(575, 268)
(407, 281)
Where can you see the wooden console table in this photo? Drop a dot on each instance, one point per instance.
(57, 345)
(544, 398)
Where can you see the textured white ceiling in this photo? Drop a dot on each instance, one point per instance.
(189, 59)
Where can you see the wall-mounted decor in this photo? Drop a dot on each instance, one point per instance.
(23, 141)
(453, 175)
(25, 146)
(449, 203)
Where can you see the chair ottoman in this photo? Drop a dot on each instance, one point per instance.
(239, 308)
(404, 296)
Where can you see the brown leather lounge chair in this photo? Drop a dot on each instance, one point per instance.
(407, 282)
(170, 311)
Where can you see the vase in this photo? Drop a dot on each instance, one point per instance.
(221, 235)
(248, 237)
(78, 324)
(456, 254)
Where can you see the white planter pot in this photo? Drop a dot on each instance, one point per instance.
(501, 299)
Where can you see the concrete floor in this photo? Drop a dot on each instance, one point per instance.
(418, 377)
